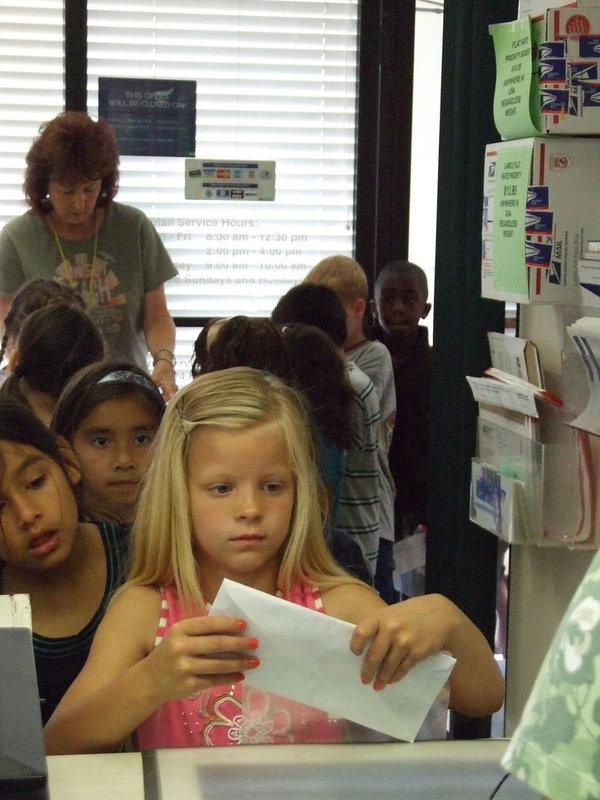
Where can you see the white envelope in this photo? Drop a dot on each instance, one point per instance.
(305, 656)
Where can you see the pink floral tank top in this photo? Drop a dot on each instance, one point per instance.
(236, 713)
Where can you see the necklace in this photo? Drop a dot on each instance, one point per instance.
(67, 263)
(347, 349)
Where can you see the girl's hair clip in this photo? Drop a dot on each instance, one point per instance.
(185, 424)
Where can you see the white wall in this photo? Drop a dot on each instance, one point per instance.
(425, 144)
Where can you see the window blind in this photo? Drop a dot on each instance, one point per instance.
(31, 87)
(276, 81)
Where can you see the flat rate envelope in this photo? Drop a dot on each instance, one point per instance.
(305, 656)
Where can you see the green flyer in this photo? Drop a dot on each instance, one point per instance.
(514, 65)
(512, 179)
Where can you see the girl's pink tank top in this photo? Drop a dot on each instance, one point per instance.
(236, 713)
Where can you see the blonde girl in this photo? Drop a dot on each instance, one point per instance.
(232, 492)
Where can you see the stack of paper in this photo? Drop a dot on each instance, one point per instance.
(518, 357)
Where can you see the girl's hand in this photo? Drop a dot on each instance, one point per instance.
(395, 638)
(200, 652)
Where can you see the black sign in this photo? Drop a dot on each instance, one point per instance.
(150, 117)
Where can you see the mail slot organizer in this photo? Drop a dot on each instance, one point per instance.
(532, 479)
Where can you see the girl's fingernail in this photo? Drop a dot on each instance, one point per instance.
(364, 681)
(378, 685)
(241, 623)
(252, 643)
(253, 661)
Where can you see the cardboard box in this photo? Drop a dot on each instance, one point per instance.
(548, 73)
(566, 61)
(535, 8)
(540, 210)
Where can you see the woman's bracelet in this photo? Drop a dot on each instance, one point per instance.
(164, 354)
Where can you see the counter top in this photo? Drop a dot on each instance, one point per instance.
(454, 770)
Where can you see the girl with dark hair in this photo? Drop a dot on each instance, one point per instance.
(68, 568)
(77, 234)
(242, 341)
(359, 509)
(110, 413)
(203, 342)
(55, 343)
(319, 372)
(34, 294)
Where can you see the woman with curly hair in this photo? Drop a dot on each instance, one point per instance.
(75, 233)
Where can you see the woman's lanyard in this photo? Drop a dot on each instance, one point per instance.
(67, 263)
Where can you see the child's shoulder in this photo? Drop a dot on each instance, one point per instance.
(135, 610)
(132, 617)
(366, 346)
(369, 352)
(142, 593)
(350, 601)
(142, 601)
(376, 346)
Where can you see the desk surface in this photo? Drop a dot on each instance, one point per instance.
(455, 770)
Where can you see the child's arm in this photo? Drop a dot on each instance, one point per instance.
(126, 678)
(395, 638)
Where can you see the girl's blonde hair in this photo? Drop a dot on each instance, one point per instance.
(240, 397)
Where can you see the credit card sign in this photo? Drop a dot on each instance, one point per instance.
(229, 180)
